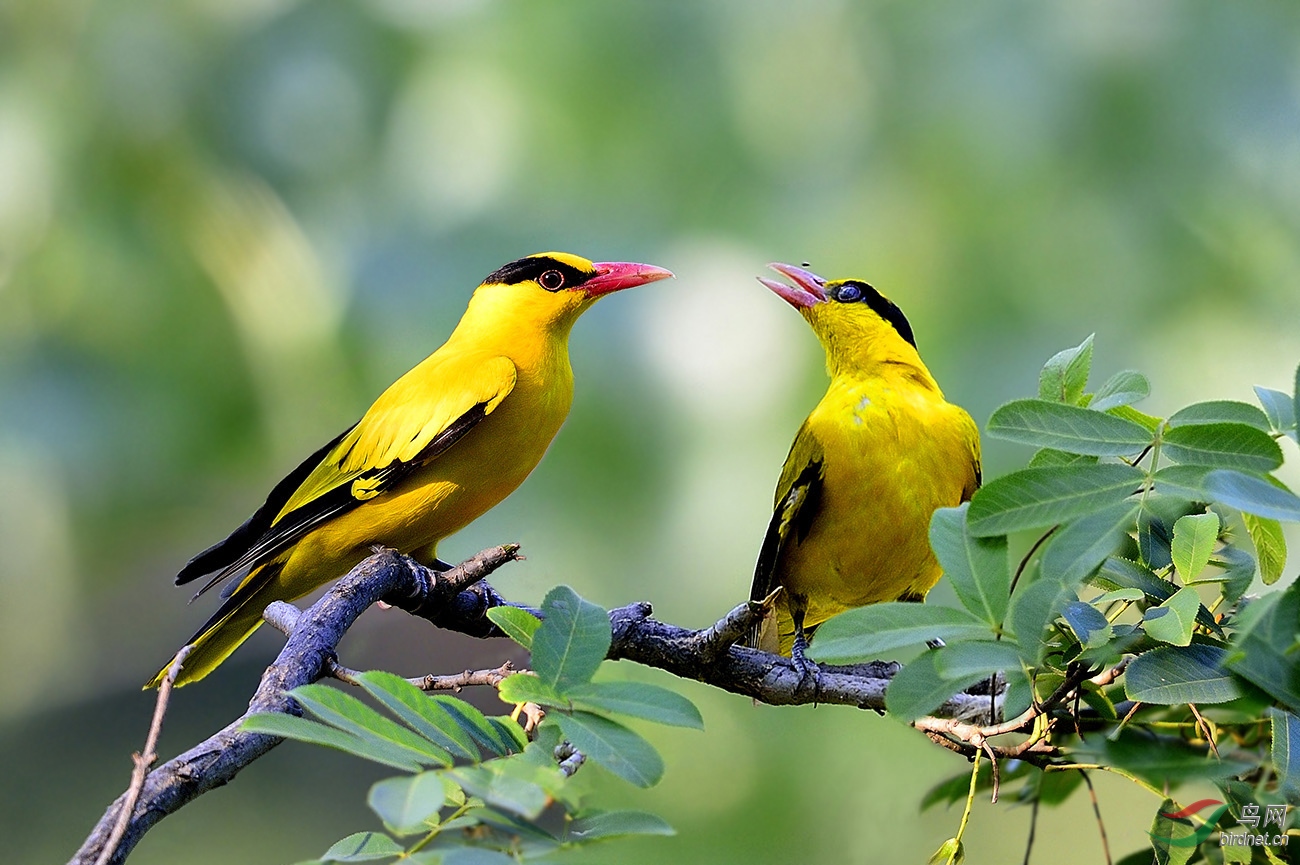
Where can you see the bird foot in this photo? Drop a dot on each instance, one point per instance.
(809, 673)
(935, 643)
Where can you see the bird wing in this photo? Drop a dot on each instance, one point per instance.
(415, 421)
(798, 498)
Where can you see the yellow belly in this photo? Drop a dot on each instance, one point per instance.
(890, 460)
(439, 499)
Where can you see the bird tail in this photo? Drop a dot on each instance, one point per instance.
(234, 622)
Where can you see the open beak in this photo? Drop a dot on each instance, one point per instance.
(617, 275)
(808, 289)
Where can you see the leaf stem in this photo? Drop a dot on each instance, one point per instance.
(970, 803)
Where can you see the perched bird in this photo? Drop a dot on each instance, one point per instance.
(442, 445)
(868, 468)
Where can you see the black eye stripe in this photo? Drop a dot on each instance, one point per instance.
(879, 304)
(532, 268)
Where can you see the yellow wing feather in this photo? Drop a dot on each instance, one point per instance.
(407, 417)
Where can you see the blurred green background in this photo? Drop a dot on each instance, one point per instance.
(226, 225)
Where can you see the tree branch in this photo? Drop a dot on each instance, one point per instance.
(458, 600)
(303, 659)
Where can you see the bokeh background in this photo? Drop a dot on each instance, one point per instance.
(226, 225)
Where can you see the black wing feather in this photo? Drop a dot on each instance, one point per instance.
(805, 497)
(298, 522)
(222, 553)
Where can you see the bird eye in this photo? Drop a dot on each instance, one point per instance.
(551, 280)
(848, 293)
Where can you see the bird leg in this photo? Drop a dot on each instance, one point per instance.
(807, 669)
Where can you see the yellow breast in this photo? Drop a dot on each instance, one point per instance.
(892, 454)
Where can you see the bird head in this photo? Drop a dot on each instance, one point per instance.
(853, 320)
(554, 288)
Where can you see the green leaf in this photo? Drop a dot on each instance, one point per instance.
(1120, 573)
(1220, 411)
(1279, 410)
(1088, 624)
(1052, 457)
(1295, 396)
(1159, 760)
(863, 633)
(1194, 538)
(1278, 407)
(497, 786)
(1222, 445)
(351, 715)
(1032, 608)
(613, 746)
(527, 688)
(305, 730)
(1033, 498)
(1123, 388)
(1079, 549)
(489, 736)
(406, 804)
(1173, 839)
(1286, 749)
(1185, 482)
(638, 700)
(976, 567)
(1238, 572)
(1253, 495)
(976, 658)
(519, 625)
(1262, 647)
(1234, 854)
(955, 788)
(572, 640)
(919, 688)
(950, 852)
(612, 824)
(419, 711)
(1270, 546)
(1172, 621)
(1065, 375)
(1067, 428)
(1148, 422)
(1172, 675)
(362, 847)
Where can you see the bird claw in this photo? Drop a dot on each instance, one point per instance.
(809, 672)
(489, 595)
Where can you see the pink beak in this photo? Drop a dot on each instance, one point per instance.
(808, 289)
(617, 275)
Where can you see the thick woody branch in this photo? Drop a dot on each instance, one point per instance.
(457, 599)
(303, 659)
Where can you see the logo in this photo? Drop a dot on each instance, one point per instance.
(1249, 817)
(1202, 833)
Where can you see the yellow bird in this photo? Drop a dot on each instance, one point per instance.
(880, 452)
(445, 442)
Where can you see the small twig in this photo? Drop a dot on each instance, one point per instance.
(729, 630)
(1206, 728)
(997, 772)
(1115, 770)
(1096, 809)
(1033, 828)
(970, 803)
(144, 761)
(1020, 569)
